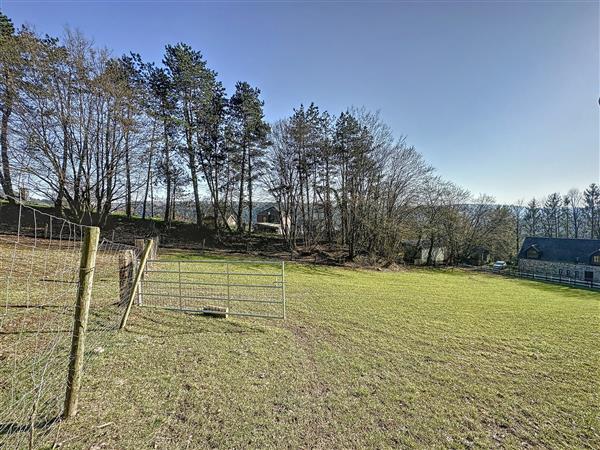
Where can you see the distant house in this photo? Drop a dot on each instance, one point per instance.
(209, 221)
(270, 220)
(438, 255)
(417, 252)
(268, 215)
(569, 258)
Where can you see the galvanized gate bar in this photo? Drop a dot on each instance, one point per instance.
(213, 261)
(200, 297)
(215, 273)
(193, 290)
(266, 286)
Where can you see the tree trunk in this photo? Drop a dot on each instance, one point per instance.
(5, 177)
(250, 195)
(149, 172)
(148, 176)
(173, 196)
(241, 196)
(194, 173)
(127, 178)
(328, 212)
(216, 207)
(167, 216)
(58, 204)
(192, 165)
(430, 251)
(151, 196)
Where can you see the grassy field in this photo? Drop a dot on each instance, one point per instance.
(422, 358)
(366, 359)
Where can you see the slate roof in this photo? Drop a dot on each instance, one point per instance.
(561, 249)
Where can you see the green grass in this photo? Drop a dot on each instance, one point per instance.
(421, 358)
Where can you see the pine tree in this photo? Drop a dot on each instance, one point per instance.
(162, 89)
(248, 132)
(210, 112)
(566, 216)
(354, 159)
(189, 74)
(551, 214)
(591, 198)
(8, 61)
(532, 218)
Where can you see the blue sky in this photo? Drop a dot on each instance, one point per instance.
(501, 97)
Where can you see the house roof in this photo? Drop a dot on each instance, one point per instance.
(561, 249)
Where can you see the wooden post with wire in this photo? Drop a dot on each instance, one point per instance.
(136, 281)
(82, 308)
(127, 265)
(283, 289)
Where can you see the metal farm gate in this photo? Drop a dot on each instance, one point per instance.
(218, 287)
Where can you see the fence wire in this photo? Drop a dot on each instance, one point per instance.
(39, 269)
(549, 277)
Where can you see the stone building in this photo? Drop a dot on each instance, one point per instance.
(567, 258)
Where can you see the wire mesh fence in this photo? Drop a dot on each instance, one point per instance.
(236, 288)
(39, 281)
(549, 277)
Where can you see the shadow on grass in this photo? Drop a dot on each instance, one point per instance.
(576, 292)
(20, 306)
(69, 332)
(148, 324)
(317, 269)
(9, 428)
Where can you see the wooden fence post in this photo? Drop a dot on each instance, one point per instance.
(136, 282)
(283, 288)
(141, 243)
(126, 272)
(82, 308)
(156, 243)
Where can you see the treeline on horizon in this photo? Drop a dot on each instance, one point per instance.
(93, 133)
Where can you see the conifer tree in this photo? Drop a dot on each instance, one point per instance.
(591, 198)
(9, 56)
(248, 132)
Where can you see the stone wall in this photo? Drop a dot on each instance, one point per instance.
(552, 268)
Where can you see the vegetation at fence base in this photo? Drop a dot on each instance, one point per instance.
(420, 358)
